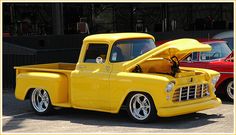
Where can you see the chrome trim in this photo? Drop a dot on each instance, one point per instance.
(210, 60)
(180, 93)
(202, 90)
(227, 72)
(190, 92)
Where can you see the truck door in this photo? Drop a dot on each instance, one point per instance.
(90, 80)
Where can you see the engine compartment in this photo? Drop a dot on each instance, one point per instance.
(168, 66)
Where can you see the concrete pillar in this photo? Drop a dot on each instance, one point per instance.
(57, 16)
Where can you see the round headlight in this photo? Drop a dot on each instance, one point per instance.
(215, 79)
(170, 86)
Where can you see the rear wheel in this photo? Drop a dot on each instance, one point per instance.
(141, 108)
(40, 101)
(229, 88)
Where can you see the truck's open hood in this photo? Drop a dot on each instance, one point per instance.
(179, 48)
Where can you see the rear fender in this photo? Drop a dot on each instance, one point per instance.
(55, 84)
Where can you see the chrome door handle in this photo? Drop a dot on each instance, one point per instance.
(82, 67)
(108, 68)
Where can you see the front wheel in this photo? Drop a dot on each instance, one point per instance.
(40, 101)
(141, 108)
(230, 90)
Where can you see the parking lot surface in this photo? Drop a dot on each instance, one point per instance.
(18, 117)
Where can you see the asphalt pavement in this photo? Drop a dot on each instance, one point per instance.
(18, 117)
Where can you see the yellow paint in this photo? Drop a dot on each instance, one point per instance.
(56, 85)
(104, 87)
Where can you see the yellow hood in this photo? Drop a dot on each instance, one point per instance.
(179, 48)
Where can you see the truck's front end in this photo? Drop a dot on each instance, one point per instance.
(187, 90)
(190, 91)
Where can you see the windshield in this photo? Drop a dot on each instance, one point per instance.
(126, 50)
(219, 50)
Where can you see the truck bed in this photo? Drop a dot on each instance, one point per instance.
(60, 68)
(66, 68)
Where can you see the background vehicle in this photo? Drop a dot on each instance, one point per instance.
(226, 36)
(220, 58)
(123, 69)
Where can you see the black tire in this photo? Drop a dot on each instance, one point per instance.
(40, 101)
(229, 90)
(146, 111)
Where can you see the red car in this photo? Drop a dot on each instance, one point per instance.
(220, 58)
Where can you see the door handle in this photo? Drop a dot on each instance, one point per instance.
(81, 67)
(108, 68)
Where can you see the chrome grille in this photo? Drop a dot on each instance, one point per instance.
(191, 92)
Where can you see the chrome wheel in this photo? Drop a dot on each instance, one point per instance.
(230, 90)
(40, 100)
(139, 106)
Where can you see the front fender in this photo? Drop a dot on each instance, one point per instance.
(54, 83)
(125, 83)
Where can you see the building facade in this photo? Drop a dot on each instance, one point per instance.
(75, 18)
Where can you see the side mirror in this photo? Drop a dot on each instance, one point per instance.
(99, 60)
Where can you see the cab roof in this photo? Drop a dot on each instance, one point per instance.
(112, 37)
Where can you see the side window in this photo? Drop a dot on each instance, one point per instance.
(95, 52)
(192, 57)
(205, 56)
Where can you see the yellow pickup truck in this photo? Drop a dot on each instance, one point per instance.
(122, 70)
